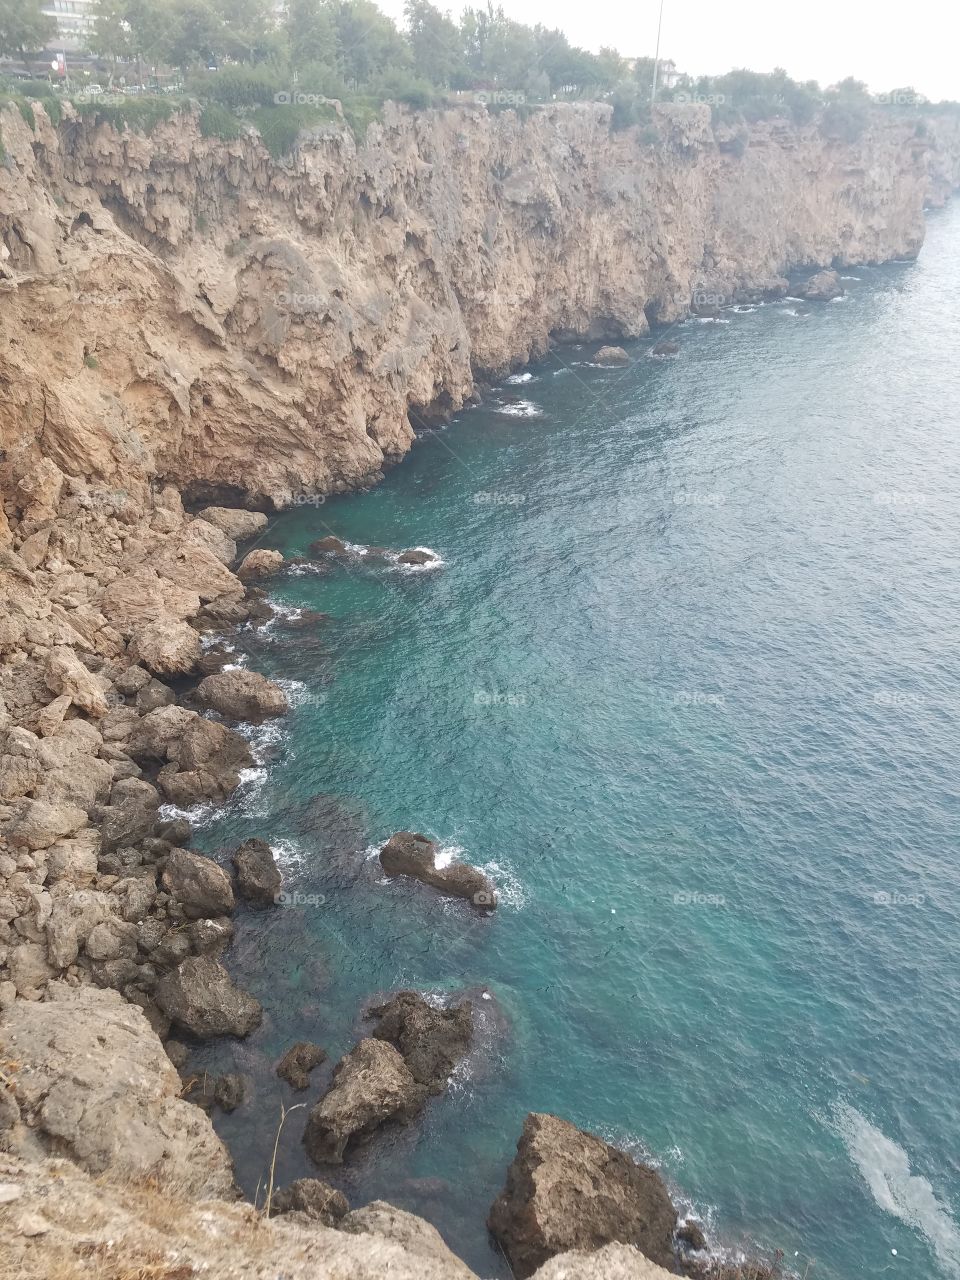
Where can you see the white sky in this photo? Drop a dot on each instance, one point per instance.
(887, 43)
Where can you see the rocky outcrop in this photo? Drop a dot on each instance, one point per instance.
(408, 853)
(258, 876)
(90, 1081)
(371, 1086)
(200, 997)
(297, 1063)
(259, 564)
(312, 1197)
(825, 286)
(242, 695)
(432, 1041)
(611, 355)
(568, 1190)
(200, 886)
(237, 525)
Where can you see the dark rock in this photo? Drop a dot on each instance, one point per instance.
(297, 1063)
(214, 659)
(175, 830)
(822, 287)
(258, 877)
(200, 886)
(611, 355)
(371, 1086)
(177, 1052)
(314, 1198)
(414, 555)
(408, 853)
(154, 694)
(209, 937)
(155, 1016)
(568, 1190)
(691, 1234)
(432, 1041)
(200, 996)
(328, 546)
(668, 348)
(173, 947)
(227, 1092)
(242, 695)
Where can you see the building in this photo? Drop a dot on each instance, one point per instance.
(74, 19)
(668, 74)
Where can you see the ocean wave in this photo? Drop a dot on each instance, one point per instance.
(288, 854)
(851, 277)
(520, 409)
(885, 1168)
(436, 563)
(198, 815)
(516, 379)
(707, 320)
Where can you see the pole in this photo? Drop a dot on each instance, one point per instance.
(656, 57)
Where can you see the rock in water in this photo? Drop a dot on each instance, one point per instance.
(259, 564)
(297, 1063)
(612, 355)
(242, 695)
(258, 877)
(432, 1041)
(328, 546)
(408, 853)
(200, 886)
(567, 1189)
(200, 996)
(822, 287)
(667, 348)
(371, 1085)
(416, 555)
(314, 1198)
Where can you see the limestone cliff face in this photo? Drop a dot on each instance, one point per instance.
(189, 310)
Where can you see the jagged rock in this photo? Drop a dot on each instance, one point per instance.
(408, 853)
(419, 1239)
(213, 537)
(297, 1063)
(258, 877)
(35, 824)
(174, 830)
(259, 564)
(92, 1079)
(167, 648)
(154, 694)
(416, 555)
(567, 1189)
(209, 937)
(201, 887)
(371, 1085)
(66, 674)
(668, 348)
(29, 970)
(131, 681)
(822, 287)
(74, 861)
(314, 1198)
(432, 1041)
(691, 1234)
(612, 355)
(613, 1262)
(200, 997)
(236, 524)
(242, 695)
(227, 1091)
(328, 546)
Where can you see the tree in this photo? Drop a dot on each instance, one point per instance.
(368, 42)
(311, 33)
(23, 28)
(112, 36)
(435, 44)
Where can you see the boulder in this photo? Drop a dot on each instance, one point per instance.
(35, 824)
(432, 1041)
(613, 1262)
(193, 567)
(154, 694)
(569, 1190)
(316, 1199)
(259, 564)
(371, 1086)
(611, 355)
(408, 853)
(168, 647)
(135, 600)
(258, 877)
(420, 1240)
(211, 536)
(242, 695)
(328, 546)
(66, 674)
(201, 887)
(205, 762)
(297, 1063)
(93, 1081)
(416, 555)
(200, 997)
(236, 524)
(822, 287)
(667, 348)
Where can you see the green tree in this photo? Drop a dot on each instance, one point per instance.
(23, 28)
(435, 44)
(368, 42)
(311, 33)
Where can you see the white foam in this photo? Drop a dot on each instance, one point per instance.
(885, 1168)
(520, 409)
(509, 886)
(289, 855)
(850, 277)
(436, 563)
(516, 379)
(707, 320)
(199, 815)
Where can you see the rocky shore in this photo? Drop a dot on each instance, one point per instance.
(145, 360)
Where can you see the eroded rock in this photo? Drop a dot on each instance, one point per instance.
(242, 695)
(297, 1063)
(408, 853)
(200, 996)
(431, 1040)
(258, 877)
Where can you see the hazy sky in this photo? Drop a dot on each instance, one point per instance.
(890, 45)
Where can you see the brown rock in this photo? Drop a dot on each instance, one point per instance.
(259, 564)
(328, 546)
(242, 695)
(822, 287)
(431, 1040)
(167, 648)
(567, 1189)
(611, 355)
(200, 996)
(236, 524)
(258, 877)
(297, 1063)
(200, 886)
(414, 555)
(409, 853)
(668, 348)
(314, 1198)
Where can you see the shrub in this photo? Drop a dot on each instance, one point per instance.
(360, 111)
(217, 122)
(140, 114)
(398, 85)
(280, 127)
(239, 86)
(843, 120)
(26, 111)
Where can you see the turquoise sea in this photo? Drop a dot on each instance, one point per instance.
(686, 684)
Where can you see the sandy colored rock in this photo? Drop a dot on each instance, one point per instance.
(242, 695)
(66, 674)
(612, 355)
(418, 1238)
(568, 1190)
(259, 564)
(200, 886)
(200, 997)
(432, 1041)
(167, 648)
(236, 524)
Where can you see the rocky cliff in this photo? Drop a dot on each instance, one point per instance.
(181, 308)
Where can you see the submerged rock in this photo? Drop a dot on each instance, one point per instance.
(242, 695)
(612, 355)
(431, 1040)
(200, 996)
(822, 287)
(567, 1189)
(328, 546)
(371, 1085)
(408, 853)
(258, 876)
(314, 1198)
(416, 555)
(297, 1063)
